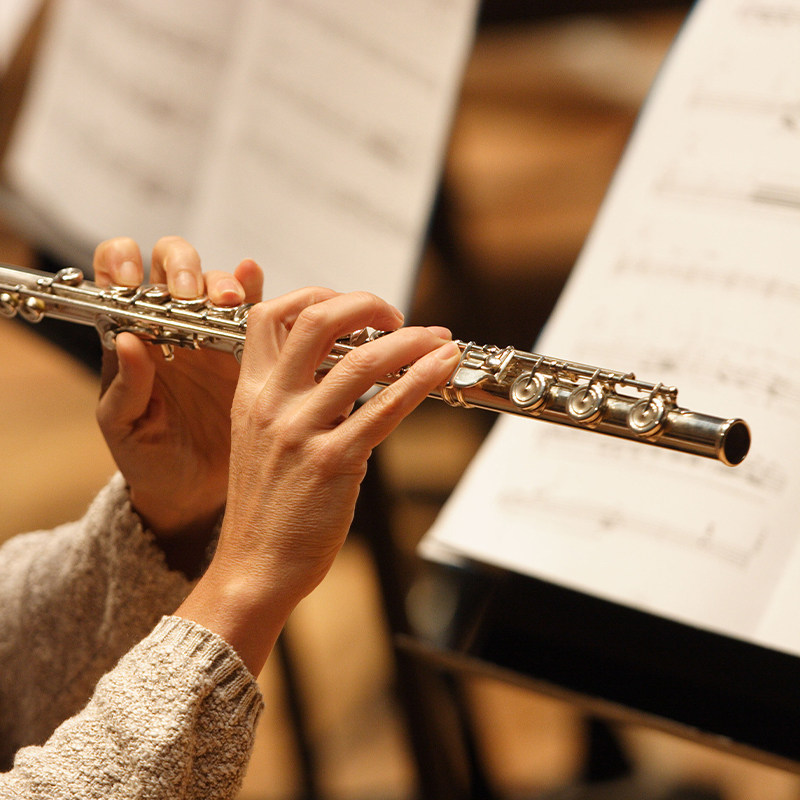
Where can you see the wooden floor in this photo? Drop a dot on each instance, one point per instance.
(543, 119)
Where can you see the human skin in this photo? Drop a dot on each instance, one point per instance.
(299, 454)
(296, 448)
(167, 424)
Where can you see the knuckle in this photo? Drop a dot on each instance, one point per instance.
(258, 314)
(312, 318)
(317, 293)
(361, 360)
(122, 245)
(264, 419)
(287, 437)
(333, 456)
(175, 250)
(369, 301)
(261, 321)
(324, 453)
(390, 398)
(118, 248)
(170, 241)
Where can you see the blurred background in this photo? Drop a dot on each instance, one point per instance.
(549, 97)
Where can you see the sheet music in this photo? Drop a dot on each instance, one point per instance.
(689, 277)
(367, 101)
(115, 125)
(307, 134)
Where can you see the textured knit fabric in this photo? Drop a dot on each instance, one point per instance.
(175, 718)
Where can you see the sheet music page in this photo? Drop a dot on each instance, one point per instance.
(689, 277)
(328, 154)
(307, 134)
(118, 117)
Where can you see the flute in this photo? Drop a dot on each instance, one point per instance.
(505, 380)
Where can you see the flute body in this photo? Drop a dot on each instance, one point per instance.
(505, 380)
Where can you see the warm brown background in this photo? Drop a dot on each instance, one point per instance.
(545, 112)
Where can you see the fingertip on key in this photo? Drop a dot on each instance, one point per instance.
(185, 285)
(448, 350)
(127, 274)
(229, 293)
(443, 333)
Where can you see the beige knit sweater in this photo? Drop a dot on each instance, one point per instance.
(175, 718)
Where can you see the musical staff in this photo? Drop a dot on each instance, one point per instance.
(598, 519)
(693, 273)
(306, 134)
(729, 190)
(689, 274)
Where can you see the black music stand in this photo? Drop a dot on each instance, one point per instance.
(622, 664)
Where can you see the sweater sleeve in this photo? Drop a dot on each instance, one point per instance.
(175, 720)
(72, 602)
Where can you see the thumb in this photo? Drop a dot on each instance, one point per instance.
(126, 396)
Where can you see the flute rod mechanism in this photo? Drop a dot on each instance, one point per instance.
(505, 380)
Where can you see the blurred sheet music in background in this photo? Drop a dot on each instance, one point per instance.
(689, 277)
(307, 134)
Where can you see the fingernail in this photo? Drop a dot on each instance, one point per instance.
(230, 291)
(185, 284)
(447, 351)
(127, 274)
(400, 315)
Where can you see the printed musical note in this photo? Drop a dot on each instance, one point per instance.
(305, 133)
(689, 276)
(600, 519)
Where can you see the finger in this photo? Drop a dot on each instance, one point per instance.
(364, 366)
(223, 289)
(442, 333)
(118, 261)
(382, 413)
(251, 276)
(177, 263)
(127, 396)
(268, 325)
(243, 286)
(318, 326)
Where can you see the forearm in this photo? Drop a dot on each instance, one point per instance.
(249, 617)
(174, 720)
(299, 455)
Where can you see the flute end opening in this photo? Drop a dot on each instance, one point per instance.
(736, 443)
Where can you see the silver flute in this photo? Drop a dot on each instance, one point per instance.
(504, 380)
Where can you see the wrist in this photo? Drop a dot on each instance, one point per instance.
(184, 535)
(246, 613)
(175, 517)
